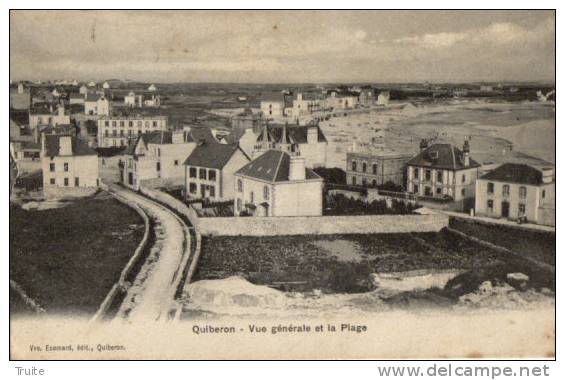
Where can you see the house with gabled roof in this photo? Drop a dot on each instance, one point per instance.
(96, 104)
(514, 191)
(307, 140)
(69, 166)
(443, 172)
(210, 169)
(156, 159)
(278, 184)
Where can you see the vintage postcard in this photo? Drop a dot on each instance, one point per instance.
(282, 184)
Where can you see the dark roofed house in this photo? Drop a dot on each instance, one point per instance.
(442, 171)
(210, 170)
(517, 192)
(278, 184)
(307, 140)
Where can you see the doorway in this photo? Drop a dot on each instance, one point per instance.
(505, 209)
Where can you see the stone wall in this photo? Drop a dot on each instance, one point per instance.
(321, 225)
(68, 192)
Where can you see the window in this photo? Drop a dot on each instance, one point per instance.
(438, 190)
(506, 190)
(522, 192)
(106, 123)
(114, 133)
(364, 182)
(176, 162)
(202, 174)
(113, 123)
(192, 172)
(212, 191)
(462, 192)
(130, 123)
(158, 166)
(416, 172)
(251, 197)
(439, 176)
(192, 187)
(239, 185)
(521, 209)
(353, 181)
(122, 123)
(490, 205)
(428, 175)
(416, 189)
(76, 181)
(66, 182)
(158, 152)
(463, 178)
(354, 166)
(52, 181)
(130, 132)
(364, 167)
(374, 183)
(106, 133)
(154, 124)
(121, 133)
(543, 194)
(238, 202)
(212, 175)
(266, 192)
(52, 167)
(139, 123)
(146, 123)
(427, 191)
(66, 166)
(490, 188)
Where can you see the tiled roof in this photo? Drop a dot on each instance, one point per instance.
(200, 134)
(78, 147)
(272, 166)
(77, 96)
(92, 97)
(297, 133)
(277, 97)
(515, 173)
(214, 156)
(19, 117)
(442, 156)
(157, 137)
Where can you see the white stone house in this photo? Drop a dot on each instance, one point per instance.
(47, 116)
(96, 104)
(157, 159)
(278, 184)
(515, 190)
(273, 106)
(210, 171)
(443, 172)
(120, 130)
(69, 167)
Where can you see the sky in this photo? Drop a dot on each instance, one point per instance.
(283, 46)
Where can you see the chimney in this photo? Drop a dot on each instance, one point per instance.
(65, 146)
(312, 135)
(297, 169)
(423, 145)
(547, 175)
(466, 151)
(178, 137)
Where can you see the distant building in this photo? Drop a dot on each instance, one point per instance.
(273, 105)
(307, 141)
(366, 96)
(372, 168)
(19, 126)
(246, 140)
(341, 100)
(304, 105)
(89, 132)
(278, 184)
(152, 88)
(119, 130)
(157, 159)
(486, 88)
(246, 119)
(106, 85)
(45, 115)
(83, 90)
(210, 171)
(69, 166)
(517, 190)
(20, 97)
(96, 104)
(76, 98)
(443, 171)
(383, 98)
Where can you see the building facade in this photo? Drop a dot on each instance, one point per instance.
(95, 104)
(443, 172)
(157, 158)
(48, 116)
(376, 168)
(513, 191)
(120, 130)
(69, 167)
(273, 106)
(278, 184)
(210, 169)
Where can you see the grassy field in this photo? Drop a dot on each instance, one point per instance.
(337, 263)
(538, 245)
(67, 259)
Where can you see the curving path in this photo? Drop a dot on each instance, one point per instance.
(151, 296)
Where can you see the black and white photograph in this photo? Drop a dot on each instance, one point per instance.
(282, 184)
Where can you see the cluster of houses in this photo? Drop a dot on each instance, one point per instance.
(265, 167)
(446, 177)
(295, 106)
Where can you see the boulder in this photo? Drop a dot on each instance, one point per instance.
(518, 280)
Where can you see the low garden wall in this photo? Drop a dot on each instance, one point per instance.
(321, 225)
